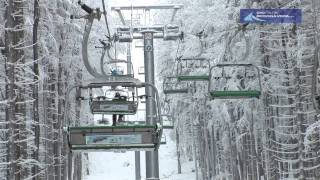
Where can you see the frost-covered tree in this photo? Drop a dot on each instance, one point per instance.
(274, 137)
(40, 60)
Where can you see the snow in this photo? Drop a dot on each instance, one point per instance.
(113, 166)
(121, 166)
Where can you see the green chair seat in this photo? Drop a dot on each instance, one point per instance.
(168, 127)
(114, 147)
(193, 78)
(235, 94)
(176, 91)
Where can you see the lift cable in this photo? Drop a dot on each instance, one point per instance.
(178, 58)
(92, 14)
(106, 19)
(109, 39)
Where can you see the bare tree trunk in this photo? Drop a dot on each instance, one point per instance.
(10, 110)
(70, 165)
(178, 152)
(35, 169)
(14, 37)
(78, 156)
(77, 173)
(51, 120)
(213, 151)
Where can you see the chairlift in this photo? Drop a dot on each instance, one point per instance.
(138, 44)
(248, 92)
(127, 137)
(171, 32)
(171, 85)
(124, 34)
(117, 68)
(111, 138)
(193, 69)
(122, 104)
(165, 105)
(163, 139)
(167, 121)
(142, 99)
(141, 70)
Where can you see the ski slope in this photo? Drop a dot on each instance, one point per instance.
(120, 166)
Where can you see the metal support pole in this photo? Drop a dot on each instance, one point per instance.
(137, 165)
(129, 63)
(136, 153)
(152, 159)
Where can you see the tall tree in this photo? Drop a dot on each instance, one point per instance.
(36, 11)
(14, 42)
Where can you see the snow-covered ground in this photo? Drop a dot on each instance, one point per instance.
(120, 166)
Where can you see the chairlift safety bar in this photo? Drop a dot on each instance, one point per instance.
(117, 61)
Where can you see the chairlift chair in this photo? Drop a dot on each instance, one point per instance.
(193, 69)
(125, 105)
(163, 139)
(138, 44)
(165, 105)
(128, 137)
(111, 138)
(143, 99)
(109, 104)
(124, 34)
(171, 85)
(118, 66)
(234, 94)
(171, 32)
(136, 19)
(141, 70)
(167, 121)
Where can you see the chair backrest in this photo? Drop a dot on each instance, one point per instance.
(241, 86)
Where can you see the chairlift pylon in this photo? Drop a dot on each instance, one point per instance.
(126, 33)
